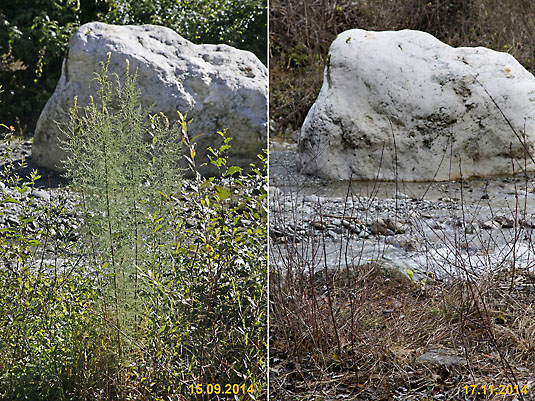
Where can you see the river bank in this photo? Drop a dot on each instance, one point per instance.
(439, 229)
(409, 291)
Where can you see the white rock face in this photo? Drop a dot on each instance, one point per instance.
(218, 87)
(407, 96)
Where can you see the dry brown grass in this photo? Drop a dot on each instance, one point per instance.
(383, 322)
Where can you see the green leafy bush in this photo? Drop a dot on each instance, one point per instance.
(34, 36)
(218, 280)
(163, 286)
(186, 260)
(53, 345)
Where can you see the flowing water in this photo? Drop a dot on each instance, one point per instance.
(441, 229)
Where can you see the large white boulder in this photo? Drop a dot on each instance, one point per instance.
(403, 105)
(218, 87)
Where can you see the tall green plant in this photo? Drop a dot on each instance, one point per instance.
(120, 157)
(206, 297)
(184, 261)
(52, 345)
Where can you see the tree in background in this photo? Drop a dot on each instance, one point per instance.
(239, 23)
(34, 36)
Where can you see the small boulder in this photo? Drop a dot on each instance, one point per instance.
(504, 221)
(441, 358)
(403, 105)
(386, 227)
(218, 86)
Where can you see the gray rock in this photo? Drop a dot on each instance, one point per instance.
(489, 224)
(218, 86)
(470, 228)
(275, 193)
(441, 358)
(41, 195)
(313, 199)
(379, 227)
(318, 225)
(386, 227)
(504, 221)
(395, 226)
(408, 89)
(352, 226)
(407, 244)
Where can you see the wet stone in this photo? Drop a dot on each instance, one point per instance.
(318, 225)
(489, 225)
(41, 195)
(470, 228)
(504, 222)
(379, 227)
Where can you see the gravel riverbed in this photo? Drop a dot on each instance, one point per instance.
(436, 230)
(45, 211)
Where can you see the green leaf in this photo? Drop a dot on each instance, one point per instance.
(233, 170)
(9, 199)
(222, 193)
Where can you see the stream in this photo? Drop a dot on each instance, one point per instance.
(433, 230)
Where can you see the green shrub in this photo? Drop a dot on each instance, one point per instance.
(119, 160)
(163, 286)
(53, 345)
(185, 261)
(218, 280)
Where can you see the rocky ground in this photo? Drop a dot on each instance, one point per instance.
(45, 206)
(431, 233)
(19, 153)
(438, 229)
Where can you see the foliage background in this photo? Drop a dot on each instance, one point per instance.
(34, 35)
(301, 32)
